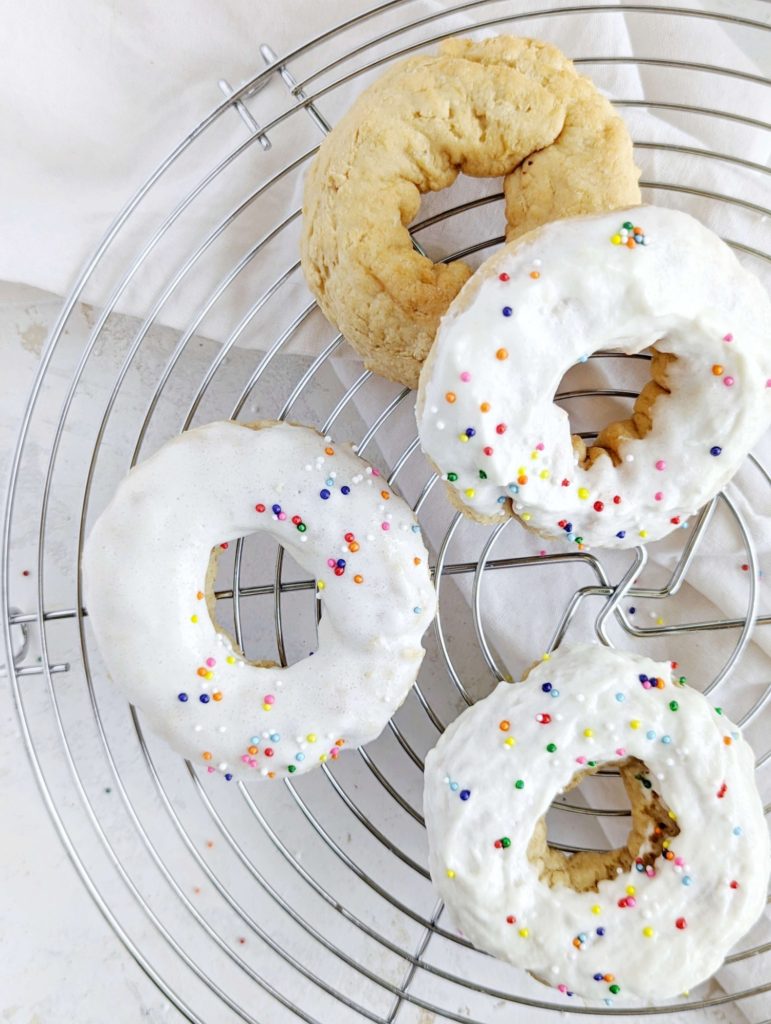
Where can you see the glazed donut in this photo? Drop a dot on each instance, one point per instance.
(501, 106)
(149, 575)
(621, 281)
(650, 919)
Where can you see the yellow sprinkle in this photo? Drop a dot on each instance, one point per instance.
(266, 707)
(533, 455)
(230, 660)
(469, 492)
(673, 816)
(659, 622)
(322, 758)
(320, 584)
(463, 438)
(588, 733)
(194, 618)
(450, 873)
(521, 471)
(209, 675)
(648, 932)
(666, 844)
(630, 890)
(524, 932)
(544, 474)
(510, 742)
(635, 723)
(545, 657)
(311, 737)
(596, 909)
(616, 239)
(583, 492)
(525, 516)
(643, 533)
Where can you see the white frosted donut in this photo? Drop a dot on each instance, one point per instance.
(148, 588)
(551, 299)
(664, 914)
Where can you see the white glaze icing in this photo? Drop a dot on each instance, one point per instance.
(145, 567)
(571, 292)
(692, 753)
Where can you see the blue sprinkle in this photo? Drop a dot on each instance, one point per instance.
(276, 509)
(324, 494)
(620, 697)
(454, 787)
(417, 609)
(568, 527)
(642, 677)
(299, 756)
(582, 936)
(275, 737)
(345, 490)
(650, 735)
(687, 880)
(546, 687)
(341, 563)
(640, 867)
(571, 536)
(716, 450)
(204, 698)
(415, 528)
(608, 1002)
(182, 697)
(738, 830)
(501, 500)
(666, 739)
(583, 359)
(638, 238)
(632, 611)
(255, 740)
(507, 310)
(329, 482)
(465, 794)
(598, 977)
(600, 932)
(621, 534)
(228, 776)
(514, 488)
(470, 432)
(555, 693)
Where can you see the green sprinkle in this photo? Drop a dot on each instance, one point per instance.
(628, 225)
(452, 477)
(592, 764)
(579, 540)
(519, 784)
(673, 705)
(482, 474)
(719, 711)
(505, 842)
(682, 680)
(551, 747)
(302, 527)
(291, 768)
(615, 989)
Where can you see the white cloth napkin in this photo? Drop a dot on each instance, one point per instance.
(94, 95)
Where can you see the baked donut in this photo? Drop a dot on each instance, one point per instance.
(620, 281)
(650, 919)
(500, 106)
(149, 575)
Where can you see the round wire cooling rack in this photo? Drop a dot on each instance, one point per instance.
(311, 900)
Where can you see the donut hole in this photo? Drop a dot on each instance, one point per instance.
(609, 439)
(651, 832)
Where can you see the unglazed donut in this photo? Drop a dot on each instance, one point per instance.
(148, 577)
(648, 920)
(500, 106)
(549, 300)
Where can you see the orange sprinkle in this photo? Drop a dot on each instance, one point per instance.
(450, 397)
(609, 977)
(577, 943)
(253, 750)
(502, 353)
(717, 369)
(505, 725)
(358, 579)
(416, 561)
(199, 595)
(271, 775)
(353, 546)
(534, 274)
(385, 495)
(727, 740)
(217, 695)
(639, 231)
(329, 451)
(521, 479)
(630, 243)
(484, 407)
(202, 671)
(339, 743)
(659, 684)
(206, 755)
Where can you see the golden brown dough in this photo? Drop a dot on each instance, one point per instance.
(500, 107)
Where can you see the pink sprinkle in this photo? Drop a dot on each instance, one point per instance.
(581, 759)
(245, 758)
(252, 762)
(282, 516)
(728, 381)
(647, 684)
(728, 337)
(385, 526)
(650, 871)
(539, 446)
(542, 553)
(658, 495)
(269, 699)
(631, 901)
(562, 988)
(679, 861)
(768, 383)
(661, 464)
(211, 662)
(210, 769)
(465, 376)
(331, 563)
(375, 472)
(620, 751)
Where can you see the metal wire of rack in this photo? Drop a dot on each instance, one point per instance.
(326, 876)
